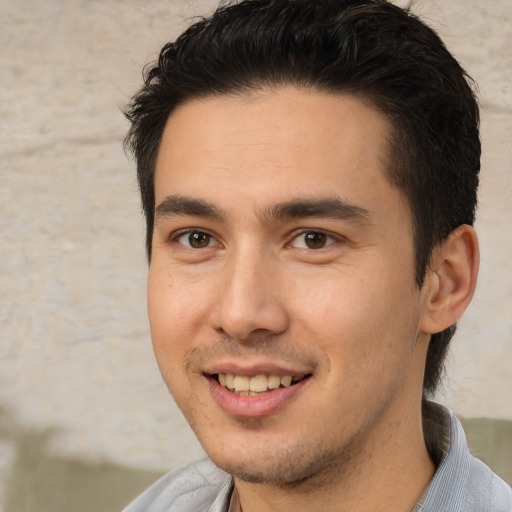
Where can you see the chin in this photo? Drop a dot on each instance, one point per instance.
(288, 466)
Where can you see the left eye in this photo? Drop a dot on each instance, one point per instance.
(312, 240)
(196, 240)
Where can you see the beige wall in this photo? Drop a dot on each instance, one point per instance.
(76, 366)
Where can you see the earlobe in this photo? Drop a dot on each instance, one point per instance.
(452, 280)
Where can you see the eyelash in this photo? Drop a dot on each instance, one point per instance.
(176, 237)
(327, 239)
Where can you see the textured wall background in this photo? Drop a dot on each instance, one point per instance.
(76, 368)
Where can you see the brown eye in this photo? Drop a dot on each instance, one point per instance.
(315, 240)
(199, 240)
(195, 240)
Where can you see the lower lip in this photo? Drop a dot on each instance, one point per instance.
(254, 406)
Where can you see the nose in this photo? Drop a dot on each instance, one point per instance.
(251, 299)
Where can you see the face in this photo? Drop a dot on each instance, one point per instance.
(284, 313)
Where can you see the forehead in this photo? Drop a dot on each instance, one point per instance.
(274, 144)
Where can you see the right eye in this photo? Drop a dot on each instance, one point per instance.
(195, 240)
(313, 240)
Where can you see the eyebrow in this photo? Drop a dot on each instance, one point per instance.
(329, 208)
(187, 206)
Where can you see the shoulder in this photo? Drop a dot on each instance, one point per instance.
(192, 488)
(485, 490)
(462, 483)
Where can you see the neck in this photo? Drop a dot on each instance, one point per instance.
(387, 470)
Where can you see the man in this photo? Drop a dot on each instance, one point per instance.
(308, 173)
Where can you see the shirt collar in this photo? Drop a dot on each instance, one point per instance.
(449, 481)
(223, 499)
(444, 490)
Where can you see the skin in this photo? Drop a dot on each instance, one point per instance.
(255, 297)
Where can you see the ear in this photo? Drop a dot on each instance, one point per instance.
(451, 280)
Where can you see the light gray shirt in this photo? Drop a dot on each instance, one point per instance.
(461, 483)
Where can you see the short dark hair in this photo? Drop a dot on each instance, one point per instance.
(371, 49)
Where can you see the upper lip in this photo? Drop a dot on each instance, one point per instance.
(250, 370)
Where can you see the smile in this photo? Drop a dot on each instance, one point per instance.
(256, 385)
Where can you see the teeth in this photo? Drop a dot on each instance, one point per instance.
(274, 381)
(241, 383)
(252, 386)
(286, 381)
(230, 381)
(258, 384)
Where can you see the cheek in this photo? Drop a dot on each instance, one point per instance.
(173, 303)
(337, 305)
(178, 310)
(360, 323)
(166, 312)
(170, 338)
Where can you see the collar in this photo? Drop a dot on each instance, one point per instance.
(223, 499)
